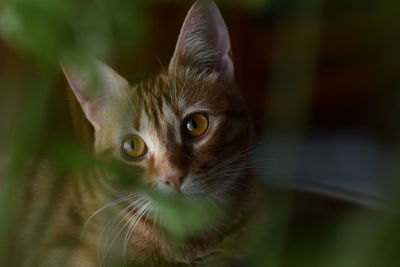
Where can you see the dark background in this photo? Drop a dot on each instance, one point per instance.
(322, 81)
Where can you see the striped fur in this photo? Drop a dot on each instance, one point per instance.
(215, 166)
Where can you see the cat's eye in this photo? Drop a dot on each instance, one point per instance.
(196, 125)
(133, 147)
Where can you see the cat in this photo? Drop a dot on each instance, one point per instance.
(186, 132)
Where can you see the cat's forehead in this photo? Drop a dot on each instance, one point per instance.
(167, 97)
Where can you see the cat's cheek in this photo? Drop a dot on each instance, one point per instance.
(187, 184)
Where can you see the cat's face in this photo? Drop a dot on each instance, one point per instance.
(179, 132)
(185, 130)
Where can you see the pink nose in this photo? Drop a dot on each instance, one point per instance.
(173, 179)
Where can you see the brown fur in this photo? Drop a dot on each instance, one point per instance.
(57, 203)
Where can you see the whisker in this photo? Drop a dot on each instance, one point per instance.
(103, 233)
(145, 210)
(111, 204)
(107, 250)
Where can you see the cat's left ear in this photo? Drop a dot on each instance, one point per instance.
(95, 87)
(204, 43)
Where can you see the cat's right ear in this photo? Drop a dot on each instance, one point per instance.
(203, 44)
(93, 86)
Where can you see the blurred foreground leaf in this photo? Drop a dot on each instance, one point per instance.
(182, 217)
(58, 30)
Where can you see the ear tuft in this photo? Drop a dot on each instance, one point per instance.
(204, 43)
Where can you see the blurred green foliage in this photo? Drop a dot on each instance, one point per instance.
(46, 32)
(58, 30)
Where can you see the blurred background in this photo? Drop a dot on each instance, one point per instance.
(321, 79)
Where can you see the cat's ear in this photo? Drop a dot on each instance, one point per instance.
(204, 43)
(93, 86)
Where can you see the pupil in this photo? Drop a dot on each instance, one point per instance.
(192, 125)
(132, 145)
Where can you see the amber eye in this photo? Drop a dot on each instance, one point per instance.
(196, 125)
(133, 147)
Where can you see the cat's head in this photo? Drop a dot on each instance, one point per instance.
(186, 130)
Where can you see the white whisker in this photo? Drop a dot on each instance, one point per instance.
(106, 249)
(111, 204)
(134, 221)
(102, 235)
